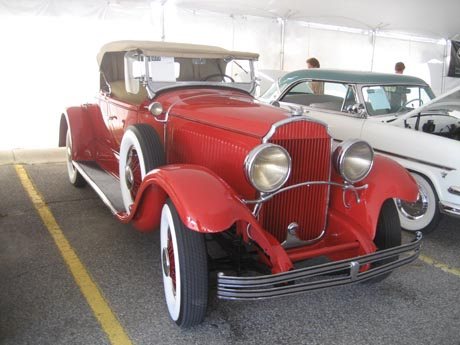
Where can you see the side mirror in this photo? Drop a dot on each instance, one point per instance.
(357, 108)
(275, 104)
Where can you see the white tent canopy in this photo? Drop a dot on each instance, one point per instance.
(58, 68)
(424, 18)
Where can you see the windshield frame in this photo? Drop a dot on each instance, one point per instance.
(153, 87)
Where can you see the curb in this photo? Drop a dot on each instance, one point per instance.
(33, 156)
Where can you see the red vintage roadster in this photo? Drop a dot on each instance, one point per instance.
(177, 142)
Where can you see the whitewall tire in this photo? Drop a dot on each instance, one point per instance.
(422, 215)
(184, 269)
(140, 152)
(75, 177)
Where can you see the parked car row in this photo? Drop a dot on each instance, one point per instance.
(398, 116)
(176, 141)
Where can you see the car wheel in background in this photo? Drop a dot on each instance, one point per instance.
(184, 268)
(75, 177)
(140, 151)
(422, 215)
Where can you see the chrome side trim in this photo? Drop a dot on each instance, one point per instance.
(415, 160)
(449, 209)
(93, 185)
(345, 187)
(454, 190)
(319, 276)
(408, 158)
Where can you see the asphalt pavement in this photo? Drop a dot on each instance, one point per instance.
(40, 302)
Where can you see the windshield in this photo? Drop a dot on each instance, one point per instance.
(391, 99)
(163, 71)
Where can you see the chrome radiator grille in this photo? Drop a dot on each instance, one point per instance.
(310, 148)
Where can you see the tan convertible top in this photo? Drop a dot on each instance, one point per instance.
(172, 49)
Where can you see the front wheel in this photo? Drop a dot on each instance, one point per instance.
(388, 235)
(140, 151)
(423, 214)
(184, 268)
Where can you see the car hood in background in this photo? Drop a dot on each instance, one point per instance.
(450, 99)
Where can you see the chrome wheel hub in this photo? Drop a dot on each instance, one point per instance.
(165, 262)
(129, 177)
(414, 210)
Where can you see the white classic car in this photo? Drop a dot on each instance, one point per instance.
(398, 116)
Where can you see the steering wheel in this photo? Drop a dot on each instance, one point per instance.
(223, 76)
(408, 102)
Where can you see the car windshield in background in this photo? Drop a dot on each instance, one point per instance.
(390, 99)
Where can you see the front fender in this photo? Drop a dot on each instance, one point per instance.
(204, 201)
(387, 180)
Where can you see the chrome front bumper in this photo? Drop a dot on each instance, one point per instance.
(449, 209)
(317, 277)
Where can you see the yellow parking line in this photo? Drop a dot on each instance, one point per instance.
(440, 265)
(88, 287)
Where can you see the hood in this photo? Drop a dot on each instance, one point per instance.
(448, 99)
(226, 108)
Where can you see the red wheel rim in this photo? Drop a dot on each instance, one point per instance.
(135, 166)
(172, 266)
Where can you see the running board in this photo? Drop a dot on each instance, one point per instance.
(104, 184)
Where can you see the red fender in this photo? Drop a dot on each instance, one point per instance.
(81, 132)
(386, 180)
(87, 129)
(205, 203)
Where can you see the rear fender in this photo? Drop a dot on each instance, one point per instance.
(387, 180)
(78, 120)
(205, 204)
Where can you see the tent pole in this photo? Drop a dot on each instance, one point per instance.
(283, 37)
(373, 38)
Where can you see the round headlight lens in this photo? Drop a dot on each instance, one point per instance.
(353, 160)
(268, 167)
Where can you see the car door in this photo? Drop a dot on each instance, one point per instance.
(121, 115)
(328, 102)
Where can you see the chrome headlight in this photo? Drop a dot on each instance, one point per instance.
(268, 167)
(353, 160)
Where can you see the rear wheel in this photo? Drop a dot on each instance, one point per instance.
(423, 214)
(388, 234)
(185, 269)
(140, 151)
(75, 177)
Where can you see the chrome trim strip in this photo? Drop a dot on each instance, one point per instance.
(454, 190)
(408, 158)
(415, 160)
(449, 209)
(288, 283)
(278, 124)
(93, 185)
(345, 187)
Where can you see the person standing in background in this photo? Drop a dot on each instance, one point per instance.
(313, 63)
(316, 86)
(399, 67)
